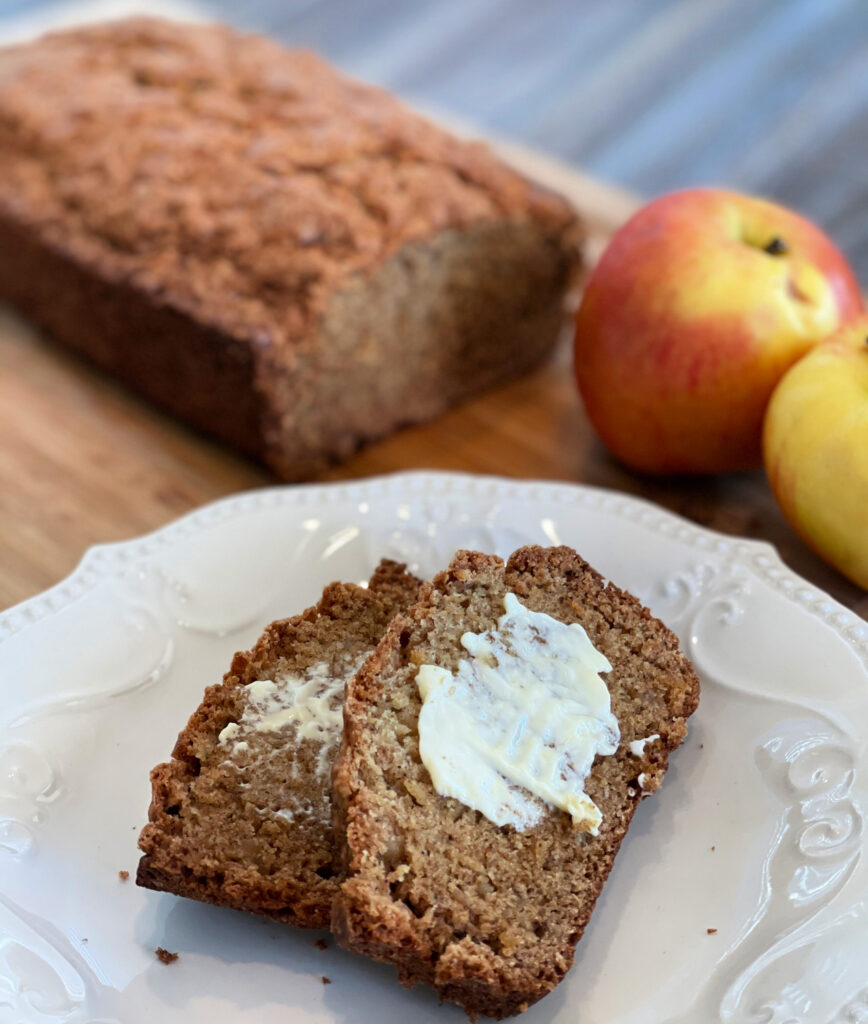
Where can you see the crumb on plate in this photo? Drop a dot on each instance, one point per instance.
(164, 956)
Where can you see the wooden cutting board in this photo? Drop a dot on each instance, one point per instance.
(82, 462)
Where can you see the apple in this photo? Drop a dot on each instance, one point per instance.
(700, 303)
(815, 448)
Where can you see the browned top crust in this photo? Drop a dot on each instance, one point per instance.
(235, 180)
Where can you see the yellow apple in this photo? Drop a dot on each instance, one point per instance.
(815, 447)
(698, 306)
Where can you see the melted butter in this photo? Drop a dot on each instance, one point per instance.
(519, 724)
(312, 702)
(637, 747)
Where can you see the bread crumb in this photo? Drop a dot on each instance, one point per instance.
(400, 873)
(123, 875)
(321, 944)
(712, 849)
(711, 931)
(326, 981)
(164, 956)
(509, 940)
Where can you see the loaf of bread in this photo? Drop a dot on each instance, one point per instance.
(290, 261)
(241, 816)
(490, 914)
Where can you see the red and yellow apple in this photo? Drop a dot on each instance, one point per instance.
(815, 448)
(698, 306)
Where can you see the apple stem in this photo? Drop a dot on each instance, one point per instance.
(777, 247)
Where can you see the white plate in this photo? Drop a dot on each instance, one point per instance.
(758, 831)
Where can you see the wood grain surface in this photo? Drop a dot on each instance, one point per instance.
(82, 462)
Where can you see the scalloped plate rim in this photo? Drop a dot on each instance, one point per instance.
(732, 562)
(103, 558)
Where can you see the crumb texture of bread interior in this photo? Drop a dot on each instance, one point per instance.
(241, 815)
(221, 222)
(490, 916)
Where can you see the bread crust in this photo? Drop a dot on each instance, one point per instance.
(490, 916)
(247, 238)
(216, 832)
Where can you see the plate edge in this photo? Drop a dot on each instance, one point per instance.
(762, 559)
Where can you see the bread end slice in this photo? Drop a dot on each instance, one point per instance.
(489, 915)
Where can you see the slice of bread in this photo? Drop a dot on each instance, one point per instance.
(241, 815)
(489, 915)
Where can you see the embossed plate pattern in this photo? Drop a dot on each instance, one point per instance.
(741, 894)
